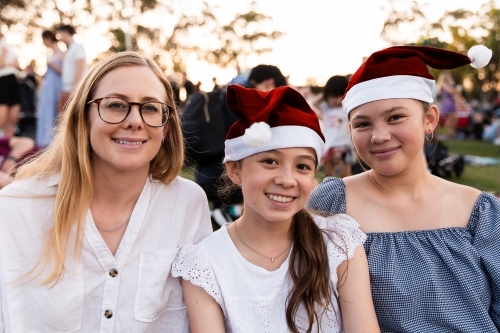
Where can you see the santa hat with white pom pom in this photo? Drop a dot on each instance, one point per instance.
(280, 118)
(401, 72)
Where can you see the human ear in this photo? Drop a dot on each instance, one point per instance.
(233, 171)
(165, 129)
(431, 118)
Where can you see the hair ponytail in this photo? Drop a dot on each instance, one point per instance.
(309, 271)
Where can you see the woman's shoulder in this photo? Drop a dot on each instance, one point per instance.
(329, 196)
(31, 187)
(459, 200)
(179, 184)
(485, 216)
(462, 193)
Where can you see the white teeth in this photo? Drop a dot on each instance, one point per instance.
(128, 142)
(279, 198)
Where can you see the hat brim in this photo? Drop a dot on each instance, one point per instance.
(396, 86)
(281, 137)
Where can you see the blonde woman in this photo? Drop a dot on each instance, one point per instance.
(89, 229)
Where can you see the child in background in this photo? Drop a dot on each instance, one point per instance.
(335, 126)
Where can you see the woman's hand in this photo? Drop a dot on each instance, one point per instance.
(355, 298)
(205, 314)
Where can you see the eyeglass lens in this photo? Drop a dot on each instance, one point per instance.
(115, 110)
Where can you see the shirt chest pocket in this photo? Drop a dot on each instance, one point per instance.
(34, 307)
(157, 290)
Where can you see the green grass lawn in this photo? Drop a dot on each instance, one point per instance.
(484, 178)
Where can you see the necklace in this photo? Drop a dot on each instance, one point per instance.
(270, 258)
(113, 229)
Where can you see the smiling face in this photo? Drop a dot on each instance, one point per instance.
(389, 134)
(276, 184)
(131, 144)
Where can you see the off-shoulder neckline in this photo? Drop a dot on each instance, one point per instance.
(468, 227)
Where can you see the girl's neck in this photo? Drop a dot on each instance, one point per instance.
(410, 182)
(260, 231)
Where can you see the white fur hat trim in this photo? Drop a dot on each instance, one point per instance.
(282, 137)
(396, 86)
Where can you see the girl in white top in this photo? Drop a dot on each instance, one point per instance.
(89, 229)
(277, 268)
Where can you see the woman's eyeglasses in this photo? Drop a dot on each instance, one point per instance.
(114, 110)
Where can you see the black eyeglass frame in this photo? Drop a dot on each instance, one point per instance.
(98, 101)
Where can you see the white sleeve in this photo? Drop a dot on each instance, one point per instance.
(80, 52)
(342, 236)
(191, 265)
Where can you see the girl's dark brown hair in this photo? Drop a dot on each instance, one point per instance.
(309, 268)
(309, 271)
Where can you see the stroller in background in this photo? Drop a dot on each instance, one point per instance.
(27, 116)
(441, 162)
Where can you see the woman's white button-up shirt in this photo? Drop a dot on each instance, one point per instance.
(132, 291)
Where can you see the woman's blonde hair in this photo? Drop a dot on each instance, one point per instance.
(70, 154)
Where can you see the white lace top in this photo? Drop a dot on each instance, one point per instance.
(252, 298)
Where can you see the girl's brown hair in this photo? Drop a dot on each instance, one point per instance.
(309, 271)
(70, 155)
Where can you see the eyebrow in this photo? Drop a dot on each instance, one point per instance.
(145, 98)
(395, 108)
(308, 157)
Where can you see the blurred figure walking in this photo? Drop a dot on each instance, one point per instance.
(51, 90)
(74, 64)
(9, 88)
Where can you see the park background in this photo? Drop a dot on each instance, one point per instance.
(309, 40)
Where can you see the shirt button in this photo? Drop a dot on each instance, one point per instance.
(108, 314)
(113, 272)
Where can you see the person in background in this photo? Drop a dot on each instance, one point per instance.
(447, 90)
(491, 132)
(277, 268)
(188, 85)
(335, 126)
(13, 151)
(50, 92)
(74, 64)
(91, 226)
(10, 96)
(432, 245)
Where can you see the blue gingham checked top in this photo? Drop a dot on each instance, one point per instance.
(441, 280)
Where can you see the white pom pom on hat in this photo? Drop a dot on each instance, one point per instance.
(479, 56)
(257, 134)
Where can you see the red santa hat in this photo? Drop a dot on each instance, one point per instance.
(401, 72)
(280, 118)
